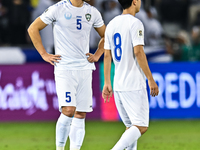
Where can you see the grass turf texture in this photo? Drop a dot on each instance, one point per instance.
(162, 135)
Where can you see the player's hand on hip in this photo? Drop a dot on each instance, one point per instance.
(153, 88)
(107, 93)
(92, 58)
(50, 58)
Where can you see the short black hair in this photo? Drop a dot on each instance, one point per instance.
(125, 3)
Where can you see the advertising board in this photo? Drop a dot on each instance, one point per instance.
(27, 92)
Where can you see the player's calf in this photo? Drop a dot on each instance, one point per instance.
(142, 129)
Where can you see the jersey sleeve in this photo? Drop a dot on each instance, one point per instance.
(98, 21)
(107, 44)
(49, 15)
(137, 33)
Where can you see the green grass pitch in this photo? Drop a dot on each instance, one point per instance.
(162, 135)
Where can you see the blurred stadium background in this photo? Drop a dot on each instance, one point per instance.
(28, 101)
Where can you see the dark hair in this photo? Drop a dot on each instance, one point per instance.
(125, 3)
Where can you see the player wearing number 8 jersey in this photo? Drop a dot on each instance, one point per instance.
(124, 41)
(72, 22)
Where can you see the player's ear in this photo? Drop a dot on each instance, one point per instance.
(134, 2)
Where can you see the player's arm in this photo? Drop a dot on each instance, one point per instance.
(34, 33)
(100, 49)
(107, 89)
(142, 61)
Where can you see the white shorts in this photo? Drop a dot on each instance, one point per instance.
(74, 88)
(133, 107)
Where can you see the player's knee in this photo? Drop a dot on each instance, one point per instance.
(68, 111)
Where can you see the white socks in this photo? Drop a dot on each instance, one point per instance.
(60, 148)
(74, 149)
(77, 133)
(128, 137)
(132, 146)
(62, 131)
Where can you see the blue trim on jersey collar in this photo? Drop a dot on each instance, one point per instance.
(70, 2)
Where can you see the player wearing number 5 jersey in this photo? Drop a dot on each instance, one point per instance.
(124, 41)
(73, 64)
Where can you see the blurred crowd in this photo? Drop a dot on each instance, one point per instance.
(172, 27)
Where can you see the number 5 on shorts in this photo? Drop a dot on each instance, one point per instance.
(68, 100)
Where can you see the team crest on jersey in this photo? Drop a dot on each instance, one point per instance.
(88, 17)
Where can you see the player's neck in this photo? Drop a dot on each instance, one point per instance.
(129, 11)
(77, 3)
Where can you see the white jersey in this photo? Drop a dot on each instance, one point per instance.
(122, 34)
(71, 29)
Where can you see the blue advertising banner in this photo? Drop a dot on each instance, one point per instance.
(179, 86)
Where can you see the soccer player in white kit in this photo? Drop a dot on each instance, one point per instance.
(73, 64)
(124, 40)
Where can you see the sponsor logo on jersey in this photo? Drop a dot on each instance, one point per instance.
(88, 17)
(140, 33)
(68, 15)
